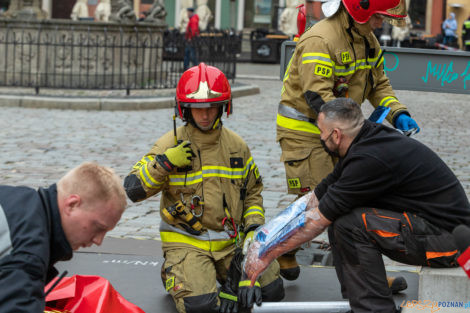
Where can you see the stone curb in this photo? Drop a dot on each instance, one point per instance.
(105, 104)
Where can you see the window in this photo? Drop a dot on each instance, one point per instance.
(417, 13)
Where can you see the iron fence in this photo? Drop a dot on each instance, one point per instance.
(104, 58)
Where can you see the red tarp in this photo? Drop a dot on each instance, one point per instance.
(87, 294)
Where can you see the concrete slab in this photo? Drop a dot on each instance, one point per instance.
(66, 103)
(444, 284)
(9, 101)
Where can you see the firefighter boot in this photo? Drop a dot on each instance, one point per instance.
(397, 284)
(290, 269)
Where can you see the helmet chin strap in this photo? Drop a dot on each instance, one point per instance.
(216, 123)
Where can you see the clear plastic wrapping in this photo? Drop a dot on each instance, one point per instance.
(282, 226)
(288, 230)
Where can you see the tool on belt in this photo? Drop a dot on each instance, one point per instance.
(228, 222)
(180, 211)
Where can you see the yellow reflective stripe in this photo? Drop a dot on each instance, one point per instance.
(293, 124)
(316, 54)
(387, 100)
(341, 70)
(227, 296)
(286, 73)
(247, 283)
(381, 61)
(183, 183)
(189, 175)
(319, 62)
(212, 171)
(320, 58)
(172, 237)
(254, 210)
(145, 176)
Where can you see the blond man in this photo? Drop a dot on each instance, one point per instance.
(40, 227)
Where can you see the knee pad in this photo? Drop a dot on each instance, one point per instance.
(201, 304)
(273, 292)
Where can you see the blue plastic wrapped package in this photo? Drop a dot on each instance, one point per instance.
(296, 222)
(282, 226)
(283, 234)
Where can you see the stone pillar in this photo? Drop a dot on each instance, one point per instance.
(26, 10)
(184, 20)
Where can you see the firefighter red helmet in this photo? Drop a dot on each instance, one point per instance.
(203, 86)
(362, 10)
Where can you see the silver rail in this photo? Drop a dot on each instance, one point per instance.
(301, 307)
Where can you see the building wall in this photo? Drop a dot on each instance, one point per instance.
(228, 14)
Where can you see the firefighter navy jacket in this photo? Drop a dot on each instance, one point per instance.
(31, 241)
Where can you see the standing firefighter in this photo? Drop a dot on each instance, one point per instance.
(337, 57)
(211, 195)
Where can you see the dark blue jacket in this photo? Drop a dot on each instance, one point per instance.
(31, 241)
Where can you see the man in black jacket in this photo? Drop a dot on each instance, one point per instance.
(388, 194)
(39, 228)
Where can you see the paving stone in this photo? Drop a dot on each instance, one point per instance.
(40, 145)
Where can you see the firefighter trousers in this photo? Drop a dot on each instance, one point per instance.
(358, 241)
(305, 167)
(191, 275)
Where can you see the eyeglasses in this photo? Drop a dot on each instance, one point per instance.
(328, 138)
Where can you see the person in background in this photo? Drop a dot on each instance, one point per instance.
(192, 31)
(449, 26)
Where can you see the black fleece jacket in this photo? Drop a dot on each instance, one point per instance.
(384, 169)
(31, 241)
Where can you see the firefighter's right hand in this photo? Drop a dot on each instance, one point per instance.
(180, 155)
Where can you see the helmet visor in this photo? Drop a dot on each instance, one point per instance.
(199, 105)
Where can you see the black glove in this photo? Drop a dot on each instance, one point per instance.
(228, 291)
(228, 300)
(248, 295)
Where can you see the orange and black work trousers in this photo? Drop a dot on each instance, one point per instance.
(358, 241)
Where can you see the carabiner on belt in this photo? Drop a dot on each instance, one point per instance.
(232, 233)
(197, 201)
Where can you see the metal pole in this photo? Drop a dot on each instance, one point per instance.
(301, 307)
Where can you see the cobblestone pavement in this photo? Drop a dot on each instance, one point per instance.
(39, 145)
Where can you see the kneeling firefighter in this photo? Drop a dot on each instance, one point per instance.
(211, 198)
